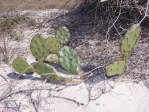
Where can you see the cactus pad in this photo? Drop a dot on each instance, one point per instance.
(54, 44)
(52, 58)
(21, 66)
(63, 35)
(39, 47)
(117, 68)
(46, 71)
(130, 41)
(69, 60)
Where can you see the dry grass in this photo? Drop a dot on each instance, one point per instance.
(9, 30)
(34, 4)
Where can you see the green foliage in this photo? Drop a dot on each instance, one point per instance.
(46, 71)
(48, 50)
(54, 44)
(21, 66)
(130, 41)
(39, 47)
(69, 60)
(63, 35)
(117, 68)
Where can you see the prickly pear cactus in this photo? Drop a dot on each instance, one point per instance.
(69, 60)
(46, 71)
(21, 66)
(39, 47)
(130, 41)
(117, 68)
(54, 44)
(52, 58)
(63, 35)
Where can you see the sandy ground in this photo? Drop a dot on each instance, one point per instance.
(98, 94)
(92, 96)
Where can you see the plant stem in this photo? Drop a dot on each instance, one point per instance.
(146, 13)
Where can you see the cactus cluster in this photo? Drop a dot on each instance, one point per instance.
(47, 51)
(53, 49)
(129, 43)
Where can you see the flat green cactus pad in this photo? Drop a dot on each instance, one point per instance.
(63, 35)
(21, 66)
(46, 71)
(54, 44)
(39, 47)
(69, 60)
(117, 68)
(130, 41)
(52, 58)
